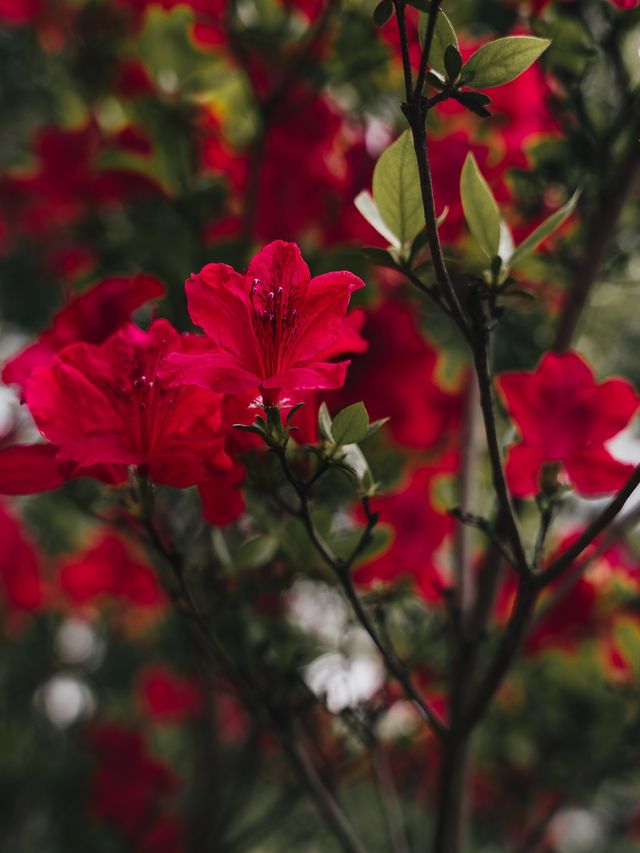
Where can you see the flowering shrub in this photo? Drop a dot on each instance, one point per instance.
(332, 546)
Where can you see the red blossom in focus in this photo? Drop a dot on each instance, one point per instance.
(269, 326)
(20, 580)
(105, 405)
(565, 417)
(168, 697)
(109, 569)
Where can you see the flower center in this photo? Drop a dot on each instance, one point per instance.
(275, 324)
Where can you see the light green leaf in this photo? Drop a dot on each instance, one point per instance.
(443, 36)
(480, 208)
(350, 425)
(544, 230)
(256, 552)
(324, 422)
(396, 189)
(502, 60)
(368, 208)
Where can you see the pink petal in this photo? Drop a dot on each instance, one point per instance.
(613, 403)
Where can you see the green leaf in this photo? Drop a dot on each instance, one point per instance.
(474, 101)
(256, 552)
(480, 208)
(369, 209)
(502, 60)
(350, 425)
(396, 189)
(382, 12)
(452, 62)
(381, 258)
(374, 426)
(324, 422)
(443, 36)
(544, 230)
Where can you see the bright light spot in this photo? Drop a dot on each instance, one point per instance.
(65, 699)
(576, 831)
(344, 683)
(401, 720)
(76, 641)
(317, 609)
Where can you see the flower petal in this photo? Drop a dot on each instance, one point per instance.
(217, 371)
(26, 469)
(522, 470)
(594, 471)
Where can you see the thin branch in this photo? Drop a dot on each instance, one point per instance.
(256, 701)
(426, 48)
(596, 527)
(507, 648)
(342, 570)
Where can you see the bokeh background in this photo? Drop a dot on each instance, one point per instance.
(143, 137)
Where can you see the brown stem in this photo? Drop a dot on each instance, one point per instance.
(257, 702)
(596, 527)
(342, 570)
(449, 831)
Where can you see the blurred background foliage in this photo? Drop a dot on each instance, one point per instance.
(154, 137)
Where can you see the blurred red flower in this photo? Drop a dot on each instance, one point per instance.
(168, 697)
(19, 575)
(565, 417)
(109, 569)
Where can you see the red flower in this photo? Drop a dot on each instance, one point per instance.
(565, 417)
(104, 405)
(418, 529)
(19, 575)
(90, 317)
(168, 697)
(110, 569)
(130, 788)
(269, 326)
(397, 378)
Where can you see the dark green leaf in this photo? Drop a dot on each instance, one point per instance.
(382, 12)
(380, 257)
(544, 230)
(452, 62)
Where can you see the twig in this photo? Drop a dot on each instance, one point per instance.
(342, 570)
(596, 527)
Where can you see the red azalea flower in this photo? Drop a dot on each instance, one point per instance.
(168, 697)
(418, 529)
(19, 575)
(90, 317)
(565, 417)
(109, 569)
(130, 788)
(397, 378)
(105, 405)
(270, 326)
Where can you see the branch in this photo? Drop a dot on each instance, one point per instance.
(426, 48)
(255, 700)
(342, 570)
(507, 648)
(593, 530)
